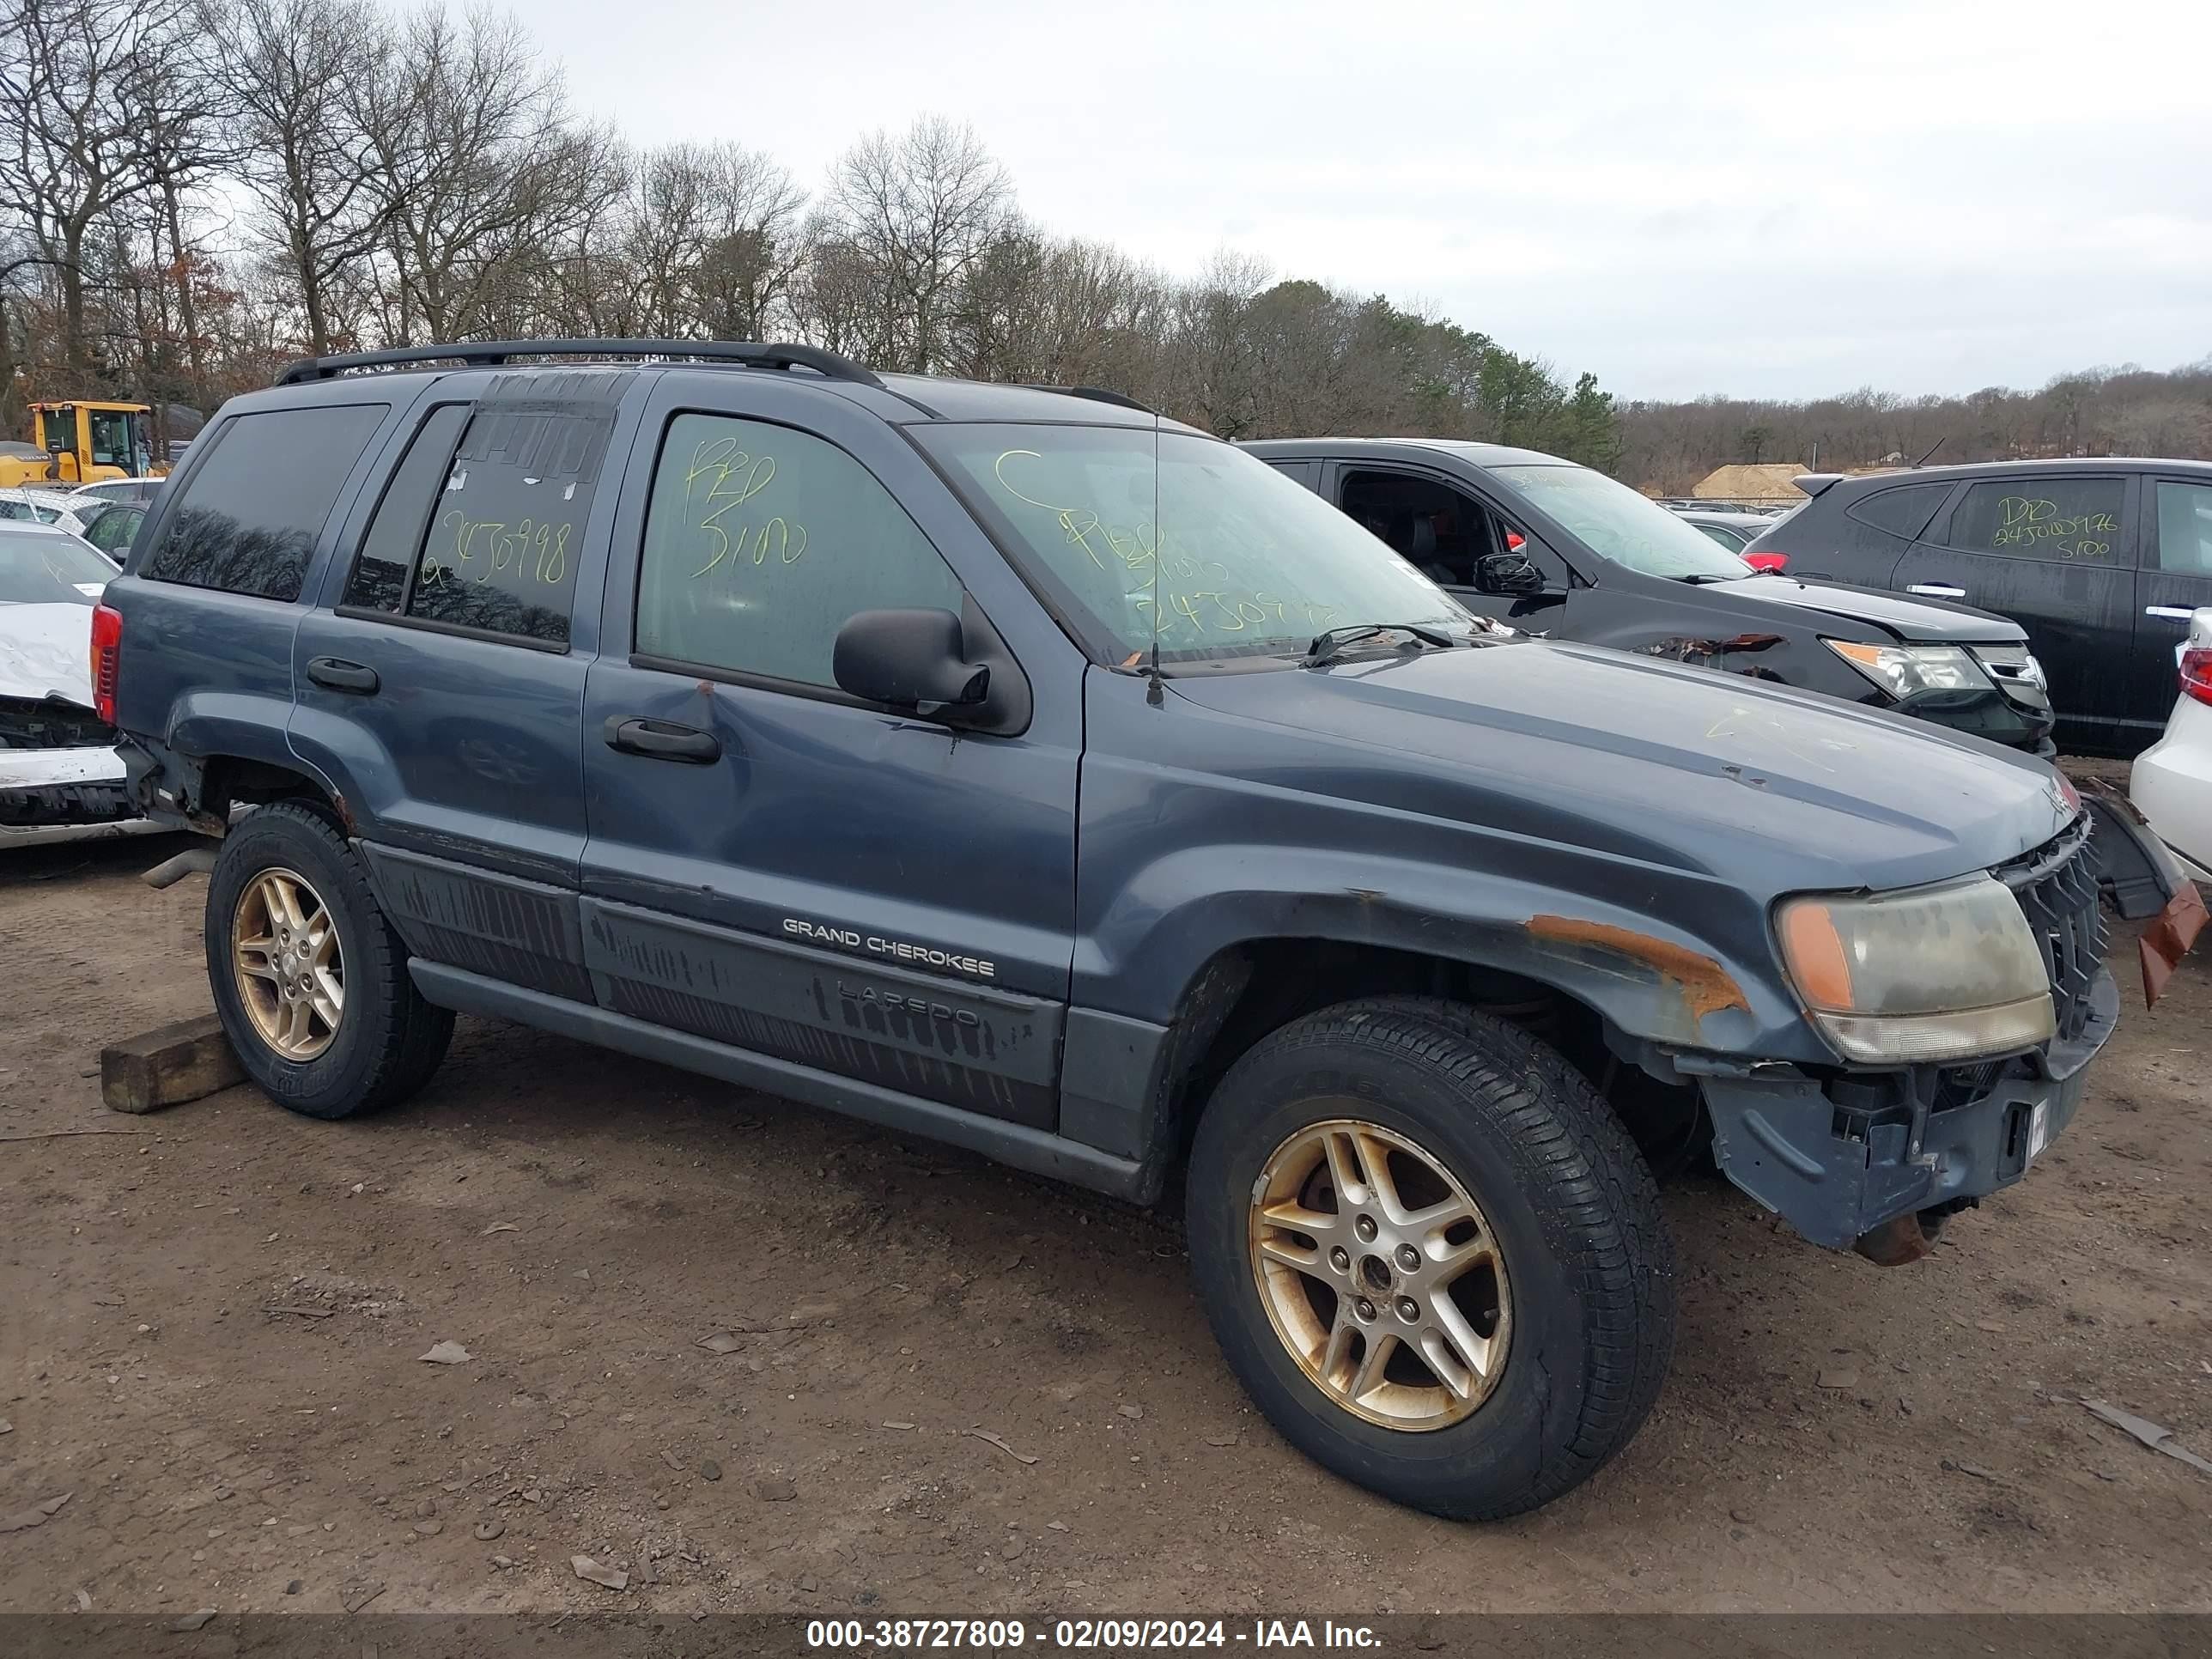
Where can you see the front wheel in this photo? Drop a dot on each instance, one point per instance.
(309, 980)
(1432, 1254)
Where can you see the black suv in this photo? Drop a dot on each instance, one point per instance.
(1014, 766)
(2102, 562)
(1552, 547)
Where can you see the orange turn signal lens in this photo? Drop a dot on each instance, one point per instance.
(1815, 951)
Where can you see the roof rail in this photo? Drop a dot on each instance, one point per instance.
(1098, 394)
(494, 352)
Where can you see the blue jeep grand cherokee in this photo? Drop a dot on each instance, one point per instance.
(1010, 766)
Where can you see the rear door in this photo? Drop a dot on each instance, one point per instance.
(2055, 552)
(775, 864)
(440, 684)
(2175, 579)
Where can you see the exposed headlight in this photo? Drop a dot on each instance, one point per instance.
(1930, 974)
(1907, 671)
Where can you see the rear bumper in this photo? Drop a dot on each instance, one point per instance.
(1838, 1160)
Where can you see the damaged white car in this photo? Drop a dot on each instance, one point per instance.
(60, 778)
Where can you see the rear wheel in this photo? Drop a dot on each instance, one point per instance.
(1432, 1255)
(309, 980)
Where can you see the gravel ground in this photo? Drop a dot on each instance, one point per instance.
(948, 1388)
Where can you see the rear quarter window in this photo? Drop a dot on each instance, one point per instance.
(249, 515)
(1902, 510)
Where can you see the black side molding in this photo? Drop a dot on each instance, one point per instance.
(1034, 1150)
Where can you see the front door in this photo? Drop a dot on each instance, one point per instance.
(2175, 580)
(2055, 552)
(773, 864)
(1459, 541)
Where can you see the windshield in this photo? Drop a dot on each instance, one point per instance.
(1618, 524)
(49, 569)
(1250, 563)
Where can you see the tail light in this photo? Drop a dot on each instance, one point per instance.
(1515, 541)
(2197, 672)
(1766, 561)
(106, 649)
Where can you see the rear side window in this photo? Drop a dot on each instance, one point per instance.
(1904, 511)
(2072, 520)
(378, 582)
(761, 542)
(507, 530)
(2184, 528)
(250, 513)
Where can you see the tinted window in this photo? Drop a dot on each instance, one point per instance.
(2184, 528)
(45, 567)
(1731, 540)
(507, 530)
(2069, 519)
(250, 513)
(113, 527)
(1902, 512)
(378, 582)
(761, 542)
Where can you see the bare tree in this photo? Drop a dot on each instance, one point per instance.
(297, 67)
(919, 211)
(102, 102)
(475, 169)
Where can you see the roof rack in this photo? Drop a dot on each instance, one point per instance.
(1098, 394)
(479, 354)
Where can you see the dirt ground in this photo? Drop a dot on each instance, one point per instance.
(211, 1323)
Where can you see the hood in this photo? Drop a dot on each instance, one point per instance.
(45, 651)
(1931, 621)
(1779, 790)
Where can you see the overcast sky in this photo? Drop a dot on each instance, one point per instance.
(1757, 199)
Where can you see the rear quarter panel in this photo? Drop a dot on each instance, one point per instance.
(203, 671)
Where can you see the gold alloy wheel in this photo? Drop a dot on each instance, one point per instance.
(1380, 1274)
(291, 975)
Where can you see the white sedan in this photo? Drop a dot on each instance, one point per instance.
(60, 777)
(52, 507)
(2172, 784)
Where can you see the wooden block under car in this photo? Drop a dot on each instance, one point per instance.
(168, 1065)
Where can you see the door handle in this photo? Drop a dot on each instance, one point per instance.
(1937, 590)
(663, 740)
(340, 675)
(2170, 612)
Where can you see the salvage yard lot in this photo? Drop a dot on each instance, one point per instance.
(210, 1324)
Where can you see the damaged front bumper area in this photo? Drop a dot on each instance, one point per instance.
(62, 794)
(1853, 1160)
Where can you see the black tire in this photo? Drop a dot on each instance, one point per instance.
(388, 1040)
(1573, 1208)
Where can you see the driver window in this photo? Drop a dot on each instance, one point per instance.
(1434, 528)
(1439, 530)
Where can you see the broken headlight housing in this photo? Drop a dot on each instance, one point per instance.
(1906, 672)
(1925, 975)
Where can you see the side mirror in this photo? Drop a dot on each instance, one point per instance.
(1508, 573)
(907, 658)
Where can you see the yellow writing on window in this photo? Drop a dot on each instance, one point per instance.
(735, 479)
(2030, 521)
(476, 549)
(1197, 597)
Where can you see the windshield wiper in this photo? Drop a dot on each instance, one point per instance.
(1706, 578)
(1331, 642)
